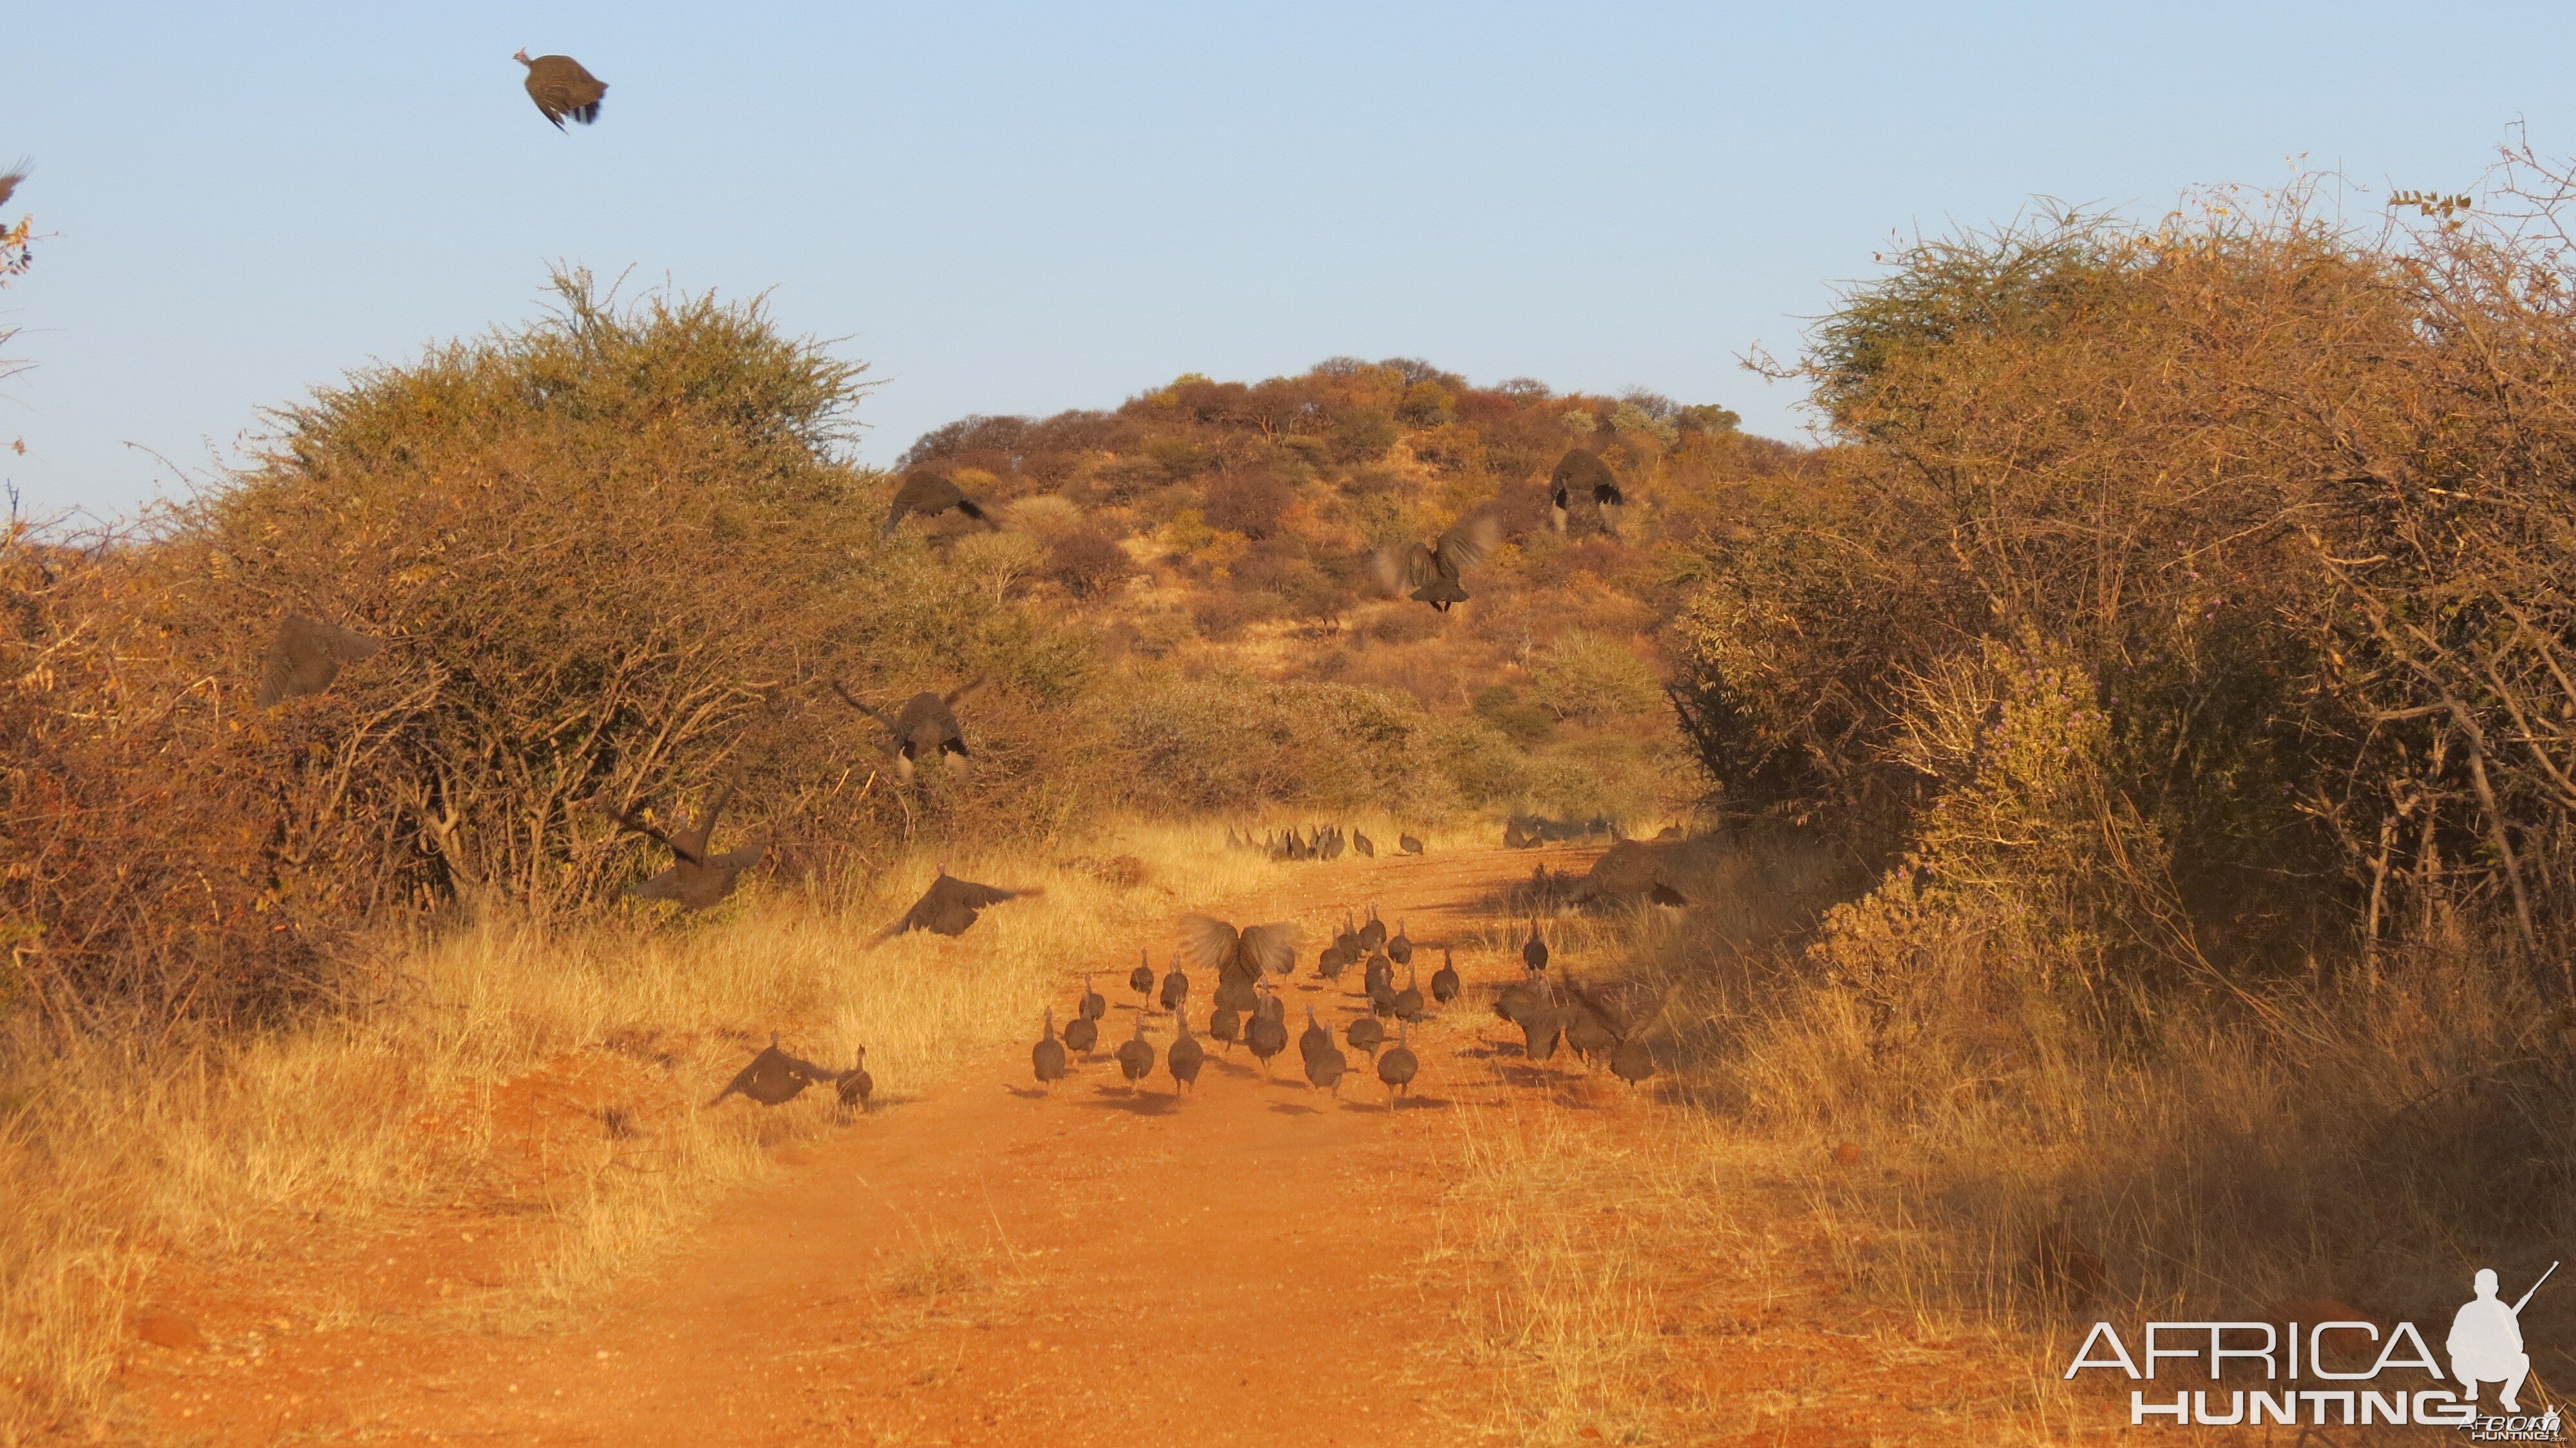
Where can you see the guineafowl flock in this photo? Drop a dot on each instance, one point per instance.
(1318, 842)
(1244, 1009)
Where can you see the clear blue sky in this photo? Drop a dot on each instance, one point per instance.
(1022, 208)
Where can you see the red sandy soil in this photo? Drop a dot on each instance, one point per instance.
(988, 1264)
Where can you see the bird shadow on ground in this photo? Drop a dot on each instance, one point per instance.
(1027, 1093)
(1295, 1108)
(1134, 1103)
(1236, 1069)
(1418, 1103)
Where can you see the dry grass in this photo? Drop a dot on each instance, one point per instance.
(546, 1077)
(1626, 1269)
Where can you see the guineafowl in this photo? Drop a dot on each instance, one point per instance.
(1409, 844)
(1226, 1024)
(1047, 1056)
(774, 1077)
(1252, 952)
(1632, 1062)
(1444, 981)
(1176, 987)
(1093, 1005)
(1266, 1033)
(1314, 1038)
(1407, 1005)
(1141, 979)
(1432, 570)
(1365, 1034)
(1379, 978)
(855, 1085)
(1136, 1057)
(1373, 934)
(1381, 994)
(1397, 1066)
(1534, 950)
(1399, 946)
(561, 87)
(1324, 1067)
(1186, 1054)
(1363, 843)
(1082, 1033)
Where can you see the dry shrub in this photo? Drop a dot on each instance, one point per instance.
(1088, 562)
(616, 555)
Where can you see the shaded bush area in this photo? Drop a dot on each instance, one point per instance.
(616, 555)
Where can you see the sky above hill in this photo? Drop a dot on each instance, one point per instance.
(1029, 207)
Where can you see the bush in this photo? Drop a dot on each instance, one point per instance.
(1586, 677)
(617, 555)
(1250, 503)
(1089, 562)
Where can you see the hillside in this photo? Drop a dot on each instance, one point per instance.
(1224, 530)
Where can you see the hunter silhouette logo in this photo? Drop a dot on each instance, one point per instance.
(2486, 1341)
(2359, 1371)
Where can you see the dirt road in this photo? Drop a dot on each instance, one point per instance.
(992, 1265)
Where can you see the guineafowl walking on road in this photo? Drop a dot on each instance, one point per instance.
(1314, 1038)
(856, 1085)
(1324, 1068)
(1141, 979)
(1176, 987)
(1445, 984)
(1534, 950)
(1136, 1057)
(1399, 946)
(1082, 1033)
(1397, 1066)
(1047, 1056)
(1365, 1034)
(1407, 1005)
(1093, 1005)
(1266, 1033)
(1186, 1055)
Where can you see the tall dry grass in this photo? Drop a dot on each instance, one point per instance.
(2369, 1140)
(121, 1169)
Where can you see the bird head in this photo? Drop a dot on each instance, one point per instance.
(522, 58)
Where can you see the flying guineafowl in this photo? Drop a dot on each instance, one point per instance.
(1433, 569)
(856, 1085)
(774, 1077)
(1141, 979)
(561, 88)
(1397, 1066)
(1176, 987)
(695, 879)
(305, 656)
(948, 907)
(1093, 1004)
(928, 494)
(1047, 1056)
(924, 729)
(1186, 1055)
(1136, 1057)
(1444, 981)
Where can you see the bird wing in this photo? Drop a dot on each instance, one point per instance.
(948, 889)
(852, 700)
(818, 1075)
(664, 886)
(306, 655)
(1206, 941)
(9, 183)
(1606, 493)
(1402, 566)
(1467, 542)
(975, 510)
(695, 836)
(1273, 947)
(629, 819)
(925, 492)
(742, 859)
(961, 691)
